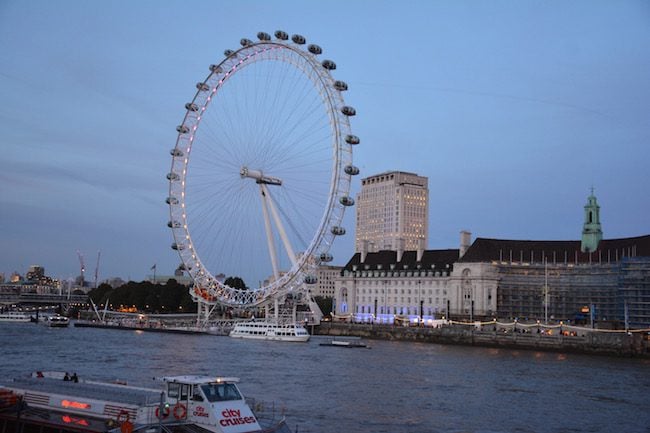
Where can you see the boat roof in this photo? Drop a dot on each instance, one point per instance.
(195, 379)
(93, 390)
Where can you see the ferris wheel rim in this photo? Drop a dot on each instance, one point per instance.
(339, 180)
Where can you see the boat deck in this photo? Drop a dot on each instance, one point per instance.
(93, 390)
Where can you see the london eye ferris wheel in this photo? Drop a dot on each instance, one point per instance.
(261, 171)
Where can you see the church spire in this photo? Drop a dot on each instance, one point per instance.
(592, 232)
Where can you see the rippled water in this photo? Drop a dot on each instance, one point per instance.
(394, 387)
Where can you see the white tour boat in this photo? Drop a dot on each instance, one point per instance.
(211, 403)
(15, 316)
(270, 330)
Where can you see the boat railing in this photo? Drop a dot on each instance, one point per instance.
(266, 412)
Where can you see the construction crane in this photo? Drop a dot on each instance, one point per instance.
(83, 268)
(97, 267)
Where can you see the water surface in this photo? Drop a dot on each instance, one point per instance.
(393, 387)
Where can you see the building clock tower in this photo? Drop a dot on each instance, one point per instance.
(592, 232)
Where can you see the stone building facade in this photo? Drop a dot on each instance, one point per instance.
(325, 281)
(496, 278)
(587, 280)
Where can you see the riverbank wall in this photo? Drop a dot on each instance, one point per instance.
(622, 344)
(187, 330)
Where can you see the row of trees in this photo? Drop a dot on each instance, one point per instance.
(163, 298)
(145, 296)
(325, 303)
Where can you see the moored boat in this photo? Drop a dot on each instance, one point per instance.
(270, 330)
(15, 316)
(346, 342)
(214, 404)
(57, 321)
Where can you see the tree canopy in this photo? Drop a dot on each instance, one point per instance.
(235, 283)
(145, 296)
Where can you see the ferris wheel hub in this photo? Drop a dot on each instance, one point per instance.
(259, 176)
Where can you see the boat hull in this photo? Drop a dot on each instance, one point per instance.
(272, 338)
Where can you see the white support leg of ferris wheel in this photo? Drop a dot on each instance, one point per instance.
(279, 226)
(198, 313)
(269, 235)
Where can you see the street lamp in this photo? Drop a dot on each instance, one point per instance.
(420, 300)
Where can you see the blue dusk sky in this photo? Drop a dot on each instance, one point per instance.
(512, 109)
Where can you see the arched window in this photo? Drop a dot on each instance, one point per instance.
(344, 300)
(466, 285)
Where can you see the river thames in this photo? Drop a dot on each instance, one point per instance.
(393, 387)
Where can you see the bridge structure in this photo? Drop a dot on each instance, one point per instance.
(20, 295)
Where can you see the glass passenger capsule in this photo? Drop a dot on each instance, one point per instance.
(326, 257)
(352, 139)
(338, 230)
(283, 36)
(351, 170)
(341, 86)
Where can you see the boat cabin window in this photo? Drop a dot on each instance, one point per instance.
(173, 389)
(178, 391)
(185, 391)
(221, 392)
(196, 396)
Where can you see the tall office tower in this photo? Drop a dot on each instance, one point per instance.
(392, 212)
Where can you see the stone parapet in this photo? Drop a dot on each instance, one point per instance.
(634, 344)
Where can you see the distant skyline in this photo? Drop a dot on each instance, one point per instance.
(513, 110)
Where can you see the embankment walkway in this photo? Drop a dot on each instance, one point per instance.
(578, 340)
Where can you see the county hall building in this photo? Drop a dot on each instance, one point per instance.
(605, 280)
